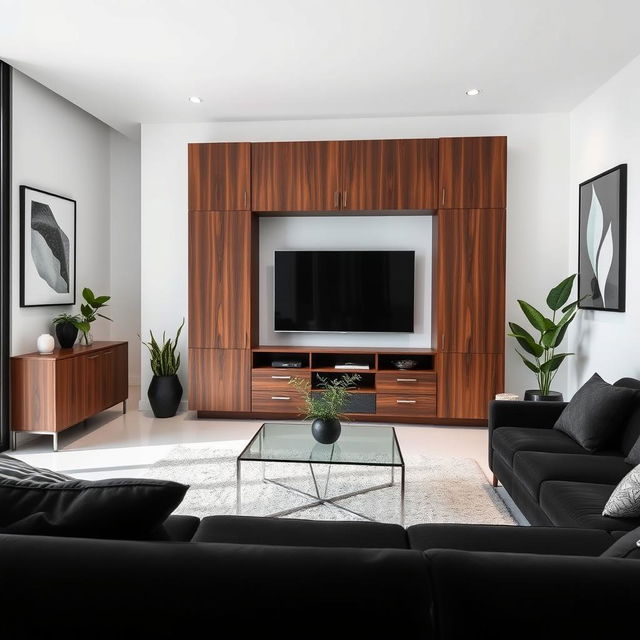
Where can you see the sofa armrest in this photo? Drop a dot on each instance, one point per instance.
(504, 595)
(518, 413)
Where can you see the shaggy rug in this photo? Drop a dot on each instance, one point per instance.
(437, 489)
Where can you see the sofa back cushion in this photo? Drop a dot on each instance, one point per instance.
(626, 547)
(631, 432)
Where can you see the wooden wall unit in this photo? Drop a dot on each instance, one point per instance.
(461, 181)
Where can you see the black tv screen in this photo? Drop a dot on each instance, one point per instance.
(345, 291)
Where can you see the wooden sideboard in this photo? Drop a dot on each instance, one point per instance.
(50, 393)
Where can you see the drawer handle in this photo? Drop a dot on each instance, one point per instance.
(280, 398)
(281, 377)
(93, 357)
(405, 401)
(406, 379)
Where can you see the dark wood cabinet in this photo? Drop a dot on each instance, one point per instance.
(473, 173)
(467, 382)
(220, 176)
(219, 279)
(220, 380)
(389, 174)
(470, 281)
(295, 176)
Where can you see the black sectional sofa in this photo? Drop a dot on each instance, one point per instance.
(255, 577)
(551, 478)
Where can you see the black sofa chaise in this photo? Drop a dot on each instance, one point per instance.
(551, 478)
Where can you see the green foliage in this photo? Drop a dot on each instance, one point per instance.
(89, 311)
(329, 399)
(546, 361)
(65, 318)
(164, 361)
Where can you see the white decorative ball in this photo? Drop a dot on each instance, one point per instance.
(45, 344)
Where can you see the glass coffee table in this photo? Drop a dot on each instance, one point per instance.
(366, 446)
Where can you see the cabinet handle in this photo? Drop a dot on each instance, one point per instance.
(344, 200)
(406, 379)
(336, 200)
(443, 341)
(94, 357)
(245, 199)
(280, 398)
(108, 353)
(281, 377)
(405, 401)
(442, 196)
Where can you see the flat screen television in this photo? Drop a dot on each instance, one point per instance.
(344, 291)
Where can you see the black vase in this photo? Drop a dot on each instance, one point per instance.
(66, 334)
(326, 431)
(165, 393)
(536, 395)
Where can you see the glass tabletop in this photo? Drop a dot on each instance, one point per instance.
(365, 445)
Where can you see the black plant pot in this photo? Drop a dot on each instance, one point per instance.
(165, 393)
(536, 396)
(326, 431)
(67, 334)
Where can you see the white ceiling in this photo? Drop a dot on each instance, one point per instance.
(132, 61)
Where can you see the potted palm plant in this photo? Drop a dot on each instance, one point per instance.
(544, 360)
(324, 405)
(165, 390)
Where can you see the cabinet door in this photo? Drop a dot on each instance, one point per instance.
(219, 176)
(295, 176)
(470, 281)
(473, 173)
(96, 392)
(219, 279)
(467, 382)
(71, 391)
(220, 379)
(114, 367)
(389, 174)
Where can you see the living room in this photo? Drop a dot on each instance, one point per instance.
(302, 235)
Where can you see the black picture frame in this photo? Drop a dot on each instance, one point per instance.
(602, 239)
(44, 297)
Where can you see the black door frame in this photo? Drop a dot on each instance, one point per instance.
(5, 249)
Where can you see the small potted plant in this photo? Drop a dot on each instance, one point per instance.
(66, 329)
(324, 405)
(165, 390)
(546, 361)
(89, 311)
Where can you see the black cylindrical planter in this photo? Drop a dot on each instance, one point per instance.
(66, 334)
(326, 431)
(165, 393)
(536, 396)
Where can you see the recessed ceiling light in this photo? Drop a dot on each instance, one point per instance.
(195, 99)
(473, 92)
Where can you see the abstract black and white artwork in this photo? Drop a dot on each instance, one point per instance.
(602, 241)
(48, 249)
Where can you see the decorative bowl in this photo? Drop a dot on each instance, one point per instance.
(404, 364)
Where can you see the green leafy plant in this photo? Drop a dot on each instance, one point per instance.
(89, 311)
(329, 403)
(164, 361)
(546, 361)
(65, 318)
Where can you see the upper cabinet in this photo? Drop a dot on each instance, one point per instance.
(295, 176)
(220, 176)
(473, 173)
(389, 174)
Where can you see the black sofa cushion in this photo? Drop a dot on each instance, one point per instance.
(507, 441)
(534, 467)
(301, 533)
(628, 546)
(631, 432)
(180, 528)
(35, 501)
(597, 413)
(633, 457)
(580, 504)
(501, 538)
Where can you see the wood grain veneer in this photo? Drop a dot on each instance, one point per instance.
(405, 382)
(276, 380)
(406, 404)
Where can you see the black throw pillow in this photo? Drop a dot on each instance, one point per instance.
(626, 547)
(597, 413)
(634, 455)
(43, 502)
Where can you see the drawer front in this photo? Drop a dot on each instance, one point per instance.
(277, 401)
(395, 404)
(406, 382)
(277, 380)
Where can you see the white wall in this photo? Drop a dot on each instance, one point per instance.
(605, 132)
(538, 199)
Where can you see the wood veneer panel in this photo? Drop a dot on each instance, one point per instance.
(220, 176)
(405, 382)
(220, 279)
(470, 280)
(276, 380)
(389, 174)
(33, 394)
(219, 379)
(295, 176)
(473, 173)
(71, 401)
(405, 404)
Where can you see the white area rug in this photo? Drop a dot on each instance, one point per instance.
(437, 489)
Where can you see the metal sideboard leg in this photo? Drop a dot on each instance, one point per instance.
(124, 406)
(55, 441)
(14, 440)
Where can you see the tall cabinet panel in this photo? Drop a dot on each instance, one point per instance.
(389, 174)
(220, 176)
(295, 176)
